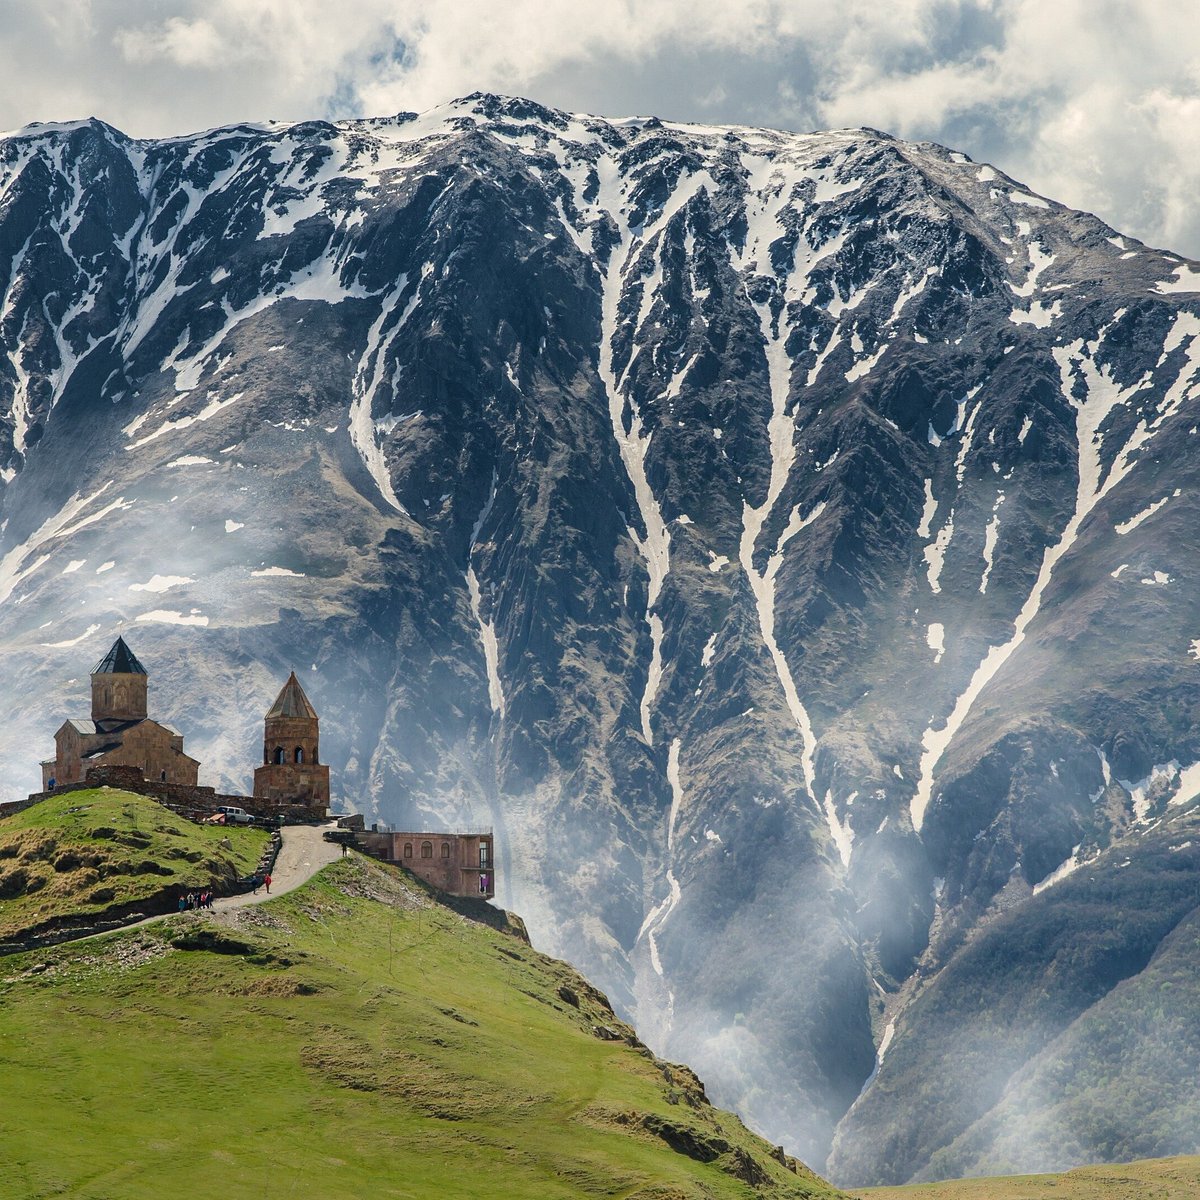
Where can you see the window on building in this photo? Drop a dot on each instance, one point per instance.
(162, 776)
(485, 855)
(279, 756)
(408, 849)
(299, 754)
(426, 849)
(445, 849)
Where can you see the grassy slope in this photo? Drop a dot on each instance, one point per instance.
(1151, 1179)
(371, 1043)
(86, 851)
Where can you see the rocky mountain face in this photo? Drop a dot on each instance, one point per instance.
(787, 542)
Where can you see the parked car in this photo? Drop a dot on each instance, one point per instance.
(234, 815)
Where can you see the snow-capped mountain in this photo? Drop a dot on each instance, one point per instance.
(788, 542)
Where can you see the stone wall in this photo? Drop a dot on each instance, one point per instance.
(155, 749)
(16, 806)
(193, 801)
(129, 778)
(119, 697)
(292, 782)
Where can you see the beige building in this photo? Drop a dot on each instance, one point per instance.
(462, 864)
(119, 734)
(292, 771)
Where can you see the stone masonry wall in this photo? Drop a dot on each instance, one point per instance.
(201, 800)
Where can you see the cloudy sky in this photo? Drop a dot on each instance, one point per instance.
(1093, 102)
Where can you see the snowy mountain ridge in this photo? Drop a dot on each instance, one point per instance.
(782, 538)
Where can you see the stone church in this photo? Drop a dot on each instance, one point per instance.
(119, 734)
(291, 780)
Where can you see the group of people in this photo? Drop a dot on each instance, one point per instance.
(196, 901)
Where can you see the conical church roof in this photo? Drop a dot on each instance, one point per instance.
(120, 660)
(292, 702)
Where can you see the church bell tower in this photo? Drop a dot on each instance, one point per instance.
(292, 771)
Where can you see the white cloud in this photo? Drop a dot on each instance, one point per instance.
(183, 42)
(1096, 105)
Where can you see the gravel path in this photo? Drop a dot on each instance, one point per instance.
(303, 853)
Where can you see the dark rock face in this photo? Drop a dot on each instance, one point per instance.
(783, 540)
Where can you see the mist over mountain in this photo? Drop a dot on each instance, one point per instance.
(787, 541)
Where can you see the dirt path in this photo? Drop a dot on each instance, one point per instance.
(303, 853)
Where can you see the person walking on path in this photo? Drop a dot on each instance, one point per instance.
(267, 882)
(303, 854)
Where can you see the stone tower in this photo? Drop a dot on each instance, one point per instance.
(119, 686)
(292, 771)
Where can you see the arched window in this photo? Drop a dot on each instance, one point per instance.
(408, 849)
(426, 849)
(279, 760)
(299, 754)
(162, 776)
(122, 697)
(445, 849)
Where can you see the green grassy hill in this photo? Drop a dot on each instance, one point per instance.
(1151, 1179)
(87, 853)
(353, 1039)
